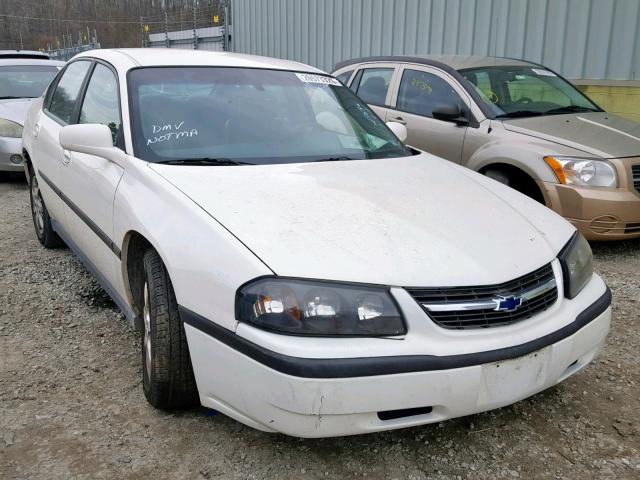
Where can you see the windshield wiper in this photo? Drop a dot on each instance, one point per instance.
(520, 113)
(333, 159)
(204, 161)
(570, 109)
(13, 98)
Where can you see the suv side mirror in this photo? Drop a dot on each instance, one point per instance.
(92, 139)
(449, 113)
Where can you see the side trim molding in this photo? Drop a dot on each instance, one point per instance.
(83, 216)
(371, 366)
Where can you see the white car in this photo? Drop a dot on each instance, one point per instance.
(288, 260)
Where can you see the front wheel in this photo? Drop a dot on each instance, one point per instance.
(41, 219)
(167, 374)
(517, 180)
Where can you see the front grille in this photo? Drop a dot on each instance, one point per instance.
(462, 307)
(635, 169)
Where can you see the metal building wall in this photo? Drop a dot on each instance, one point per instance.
(582, 39)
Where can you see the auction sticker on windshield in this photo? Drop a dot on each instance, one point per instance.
(310, 78)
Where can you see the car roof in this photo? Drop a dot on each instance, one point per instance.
(23, 54)
(155, 57)
(30, 61)
(455, 62)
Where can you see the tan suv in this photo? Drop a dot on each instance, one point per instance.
(517, 122)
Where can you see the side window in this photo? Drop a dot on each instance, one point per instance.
(420, 92)
(345, 76)
(51, 88)
(374, 84)
(64, 97)
(482, 83)
(101, 101)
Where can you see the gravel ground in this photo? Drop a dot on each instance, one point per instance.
(71, 403)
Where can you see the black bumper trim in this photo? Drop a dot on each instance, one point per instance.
(372, 366)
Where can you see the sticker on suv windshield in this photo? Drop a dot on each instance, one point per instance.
(311, 78)
(544, 73)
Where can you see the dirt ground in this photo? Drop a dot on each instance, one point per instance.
(71, 403)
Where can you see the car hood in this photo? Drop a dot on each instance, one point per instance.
(414, 221)
(596, 133)
(15, 109)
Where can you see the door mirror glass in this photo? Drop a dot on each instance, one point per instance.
(398, 129)
(90, 138)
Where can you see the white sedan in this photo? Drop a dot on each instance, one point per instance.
(289, 261)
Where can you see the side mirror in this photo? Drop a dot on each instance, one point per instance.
(398, 129)
(449, 113)
(92, 139)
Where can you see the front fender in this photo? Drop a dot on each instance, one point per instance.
(206, 263)
(529, 160)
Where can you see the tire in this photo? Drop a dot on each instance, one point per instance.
(40, 215)
(167, 374)
(502, 177)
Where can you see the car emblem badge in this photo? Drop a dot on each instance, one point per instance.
(507, 304)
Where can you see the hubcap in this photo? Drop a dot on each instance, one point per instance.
(146, 345)
(37, 206)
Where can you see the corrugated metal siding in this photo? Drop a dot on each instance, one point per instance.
(582, 39)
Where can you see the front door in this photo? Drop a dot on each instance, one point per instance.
(89, 182)
(418, 92)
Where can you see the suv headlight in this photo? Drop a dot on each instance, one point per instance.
(583, 171)
(10, 129)
(314, 307)
(577, 265)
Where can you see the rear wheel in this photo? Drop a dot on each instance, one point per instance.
(41, 220)
(167, 374)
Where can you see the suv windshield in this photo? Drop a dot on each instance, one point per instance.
(25, 81)
(232, 116)
(521, 91)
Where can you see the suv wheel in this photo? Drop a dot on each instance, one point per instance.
(41, 220)
(167, 374)
(517, 180)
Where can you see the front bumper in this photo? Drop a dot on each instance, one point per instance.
(9, 147)
(600, 213)
(322, 397)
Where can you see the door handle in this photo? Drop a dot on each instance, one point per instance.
(398, 120)
(36, 130)
(66, 157)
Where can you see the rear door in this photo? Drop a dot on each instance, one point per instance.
(89, 182)
(418, 91)
(373, 83)
(58, 110)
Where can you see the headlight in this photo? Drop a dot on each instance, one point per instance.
(583, 171)
(577, 265)
(10, 129)
(312, 307)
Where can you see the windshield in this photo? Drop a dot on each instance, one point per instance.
(25, 81)
(512, 91)
(251, 116)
